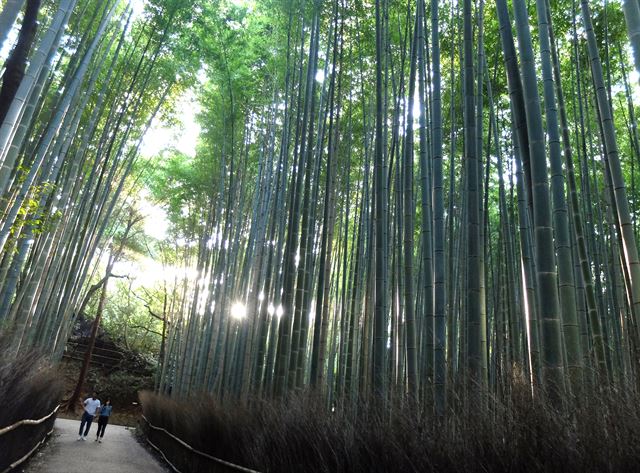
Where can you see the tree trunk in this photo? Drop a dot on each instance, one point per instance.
(8, 16)
(17, 60)
(77, 392)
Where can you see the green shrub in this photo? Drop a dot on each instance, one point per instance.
(122, 387)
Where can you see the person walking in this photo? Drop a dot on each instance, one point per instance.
(103, 419)
(91, 405)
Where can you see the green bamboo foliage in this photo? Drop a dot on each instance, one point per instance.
(577, 219)
(623, 216)
(38, 67)
(53, 134)
(309, 252)
(350, 305)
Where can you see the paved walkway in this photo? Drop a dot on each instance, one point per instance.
(119, 452)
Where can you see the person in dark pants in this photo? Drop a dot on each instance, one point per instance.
(91, 405)
(103, 419)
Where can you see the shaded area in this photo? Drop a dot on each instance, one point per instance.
(29, 391)
(300, 433)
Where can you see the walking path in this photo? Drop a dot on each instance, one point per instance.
(119, 452)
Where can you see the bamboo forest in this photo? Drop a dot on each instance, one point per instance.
(322, 235)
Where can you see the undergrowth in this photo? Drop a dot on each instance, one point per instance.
(29, 389)
(601, 433)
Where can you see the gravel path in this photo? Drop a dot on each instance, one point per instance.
(119, 452)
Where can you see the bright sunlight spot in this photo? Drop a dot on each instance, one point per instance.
(156, 223)
(137, 6)
(184, 139)
(238, 311)
(248, 4)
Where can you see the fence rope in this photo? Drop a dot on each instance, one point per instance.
(19, 461)
(173, 467)
(9, 428)
(189, 447)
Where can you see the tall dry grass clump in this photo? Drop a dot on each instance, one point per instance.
(600, 432)
(29, 389)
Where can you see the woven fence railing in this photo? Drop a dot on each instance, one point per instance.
(12, 430)
(223, 463)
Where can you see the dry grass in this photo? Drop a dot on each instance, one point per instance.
(300, 434)
(29, 389)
